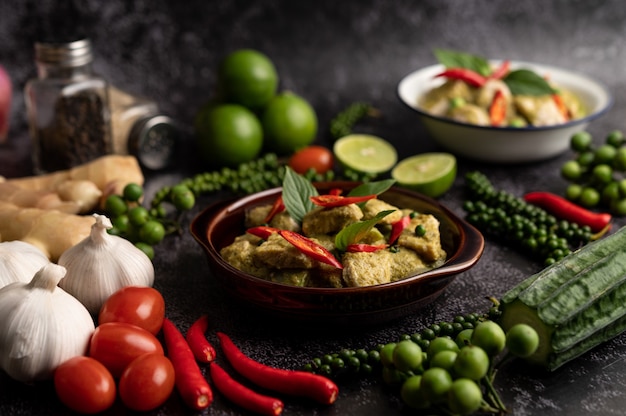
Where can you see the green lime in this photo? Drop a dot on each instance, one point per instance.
(365, 153)
(289, 123)
(429, 173)
(247, 77)
(228, 134)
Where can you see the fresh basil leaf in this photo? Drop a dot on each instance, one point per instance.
(527, 82)
(372, 188)
(297, 193)
(356, 231)
(455, 59)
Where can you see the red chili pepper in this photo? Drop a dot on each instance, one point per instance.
(332, 201)
(497, 109)
(292, 382)
(558, 100)
(471, 77)
(200, 346)
(501, 71)
(277, 207)
(190, 383)
(365, 248)
(335, 191)
(397, 227)
(242, 395)
(567, 210)
(310, 248)
(262, 231)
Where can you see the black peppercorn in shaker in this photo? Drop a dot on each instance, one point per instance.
(67, 106)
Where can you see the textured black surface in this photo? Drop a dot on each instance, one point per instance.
(334, 53)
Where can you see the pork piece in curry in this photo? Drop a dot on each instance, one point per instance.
(277, 260)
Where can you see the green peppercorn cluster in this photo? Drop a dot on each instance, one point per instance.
(513, 221)
(343, 123)
(597, 173)
(145, 228)
(363, 361)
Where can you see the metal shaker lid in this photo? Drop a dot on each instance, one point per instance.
(153, 141)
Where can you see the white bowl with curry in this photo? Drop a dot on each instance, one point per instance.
(461, 114)
(341, 280)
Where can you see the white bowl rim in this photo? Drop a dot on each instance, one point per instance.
(600, 89)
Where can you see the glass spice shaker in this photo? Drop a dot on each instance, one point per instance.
(67, 107)
(140, 129)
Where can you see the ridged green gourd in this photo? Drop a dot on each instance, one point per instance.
(574, 304)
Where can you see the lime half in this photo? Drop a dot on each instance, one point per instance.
(365, 153)
(431, 174)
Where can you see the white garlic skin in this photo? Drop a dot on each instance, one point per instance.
(41, 326)
(101, 264)
(19, 261)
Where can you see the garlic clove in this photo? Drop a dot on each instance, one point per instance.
(41, 326)
(19, 261)
(101, 264)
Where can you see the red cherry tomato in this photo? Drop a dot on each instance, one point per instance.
(141, 306)
(84, 385)
(317, 157)
(147, 382)
(117, 344)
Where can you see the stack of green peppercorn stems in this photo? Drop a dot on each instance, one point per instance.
(523, 226)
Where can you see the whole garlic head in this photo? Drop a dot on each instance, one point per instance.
(19, 261)
(101, 264)
(41, 326)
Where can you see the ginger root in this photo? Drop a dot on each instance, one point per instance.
(28, 198)
(52, 231)
(110, 174)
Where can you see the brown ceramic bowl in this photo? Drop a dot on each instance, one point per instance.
(220, 223)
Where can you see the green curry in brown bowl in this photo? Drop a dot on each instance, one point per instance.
(383, 256)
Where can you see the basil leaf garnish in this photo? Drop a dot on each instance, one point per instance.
(372, 188)
(527, 82)
(455, 59)
(297, 193)
(356, 231)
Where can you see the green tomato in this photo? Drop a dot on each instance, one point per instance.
(605, 154)
(132, 192)
(522, 340)
(412, 394)
(589, 197)
(580, 141)
(444, 359)
(602, 173)
(471, 362)
(464, 337)
(152, 232)
(435, 383)
(121, 222)
(138, 215)
(407, 356)
(146, 248)
(441, 344)
(571, 170)
(615, 138)
(489, 336)
(114, 206)
(182, 197)
(465, 396)
(386, 354)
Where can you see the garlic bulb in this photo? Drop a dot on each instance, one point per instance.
(19, 261)
(101, 264)
(41, 326)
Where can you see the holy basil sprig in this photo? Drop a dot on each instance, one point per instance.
(455, 59)
(356, 231)
(297, 193)
(520, 81)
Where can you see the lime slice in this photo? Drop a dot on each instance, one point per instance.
(365, 153)
(431, 174)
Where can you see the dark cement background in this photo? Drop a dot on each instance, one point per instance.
(334, 53)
